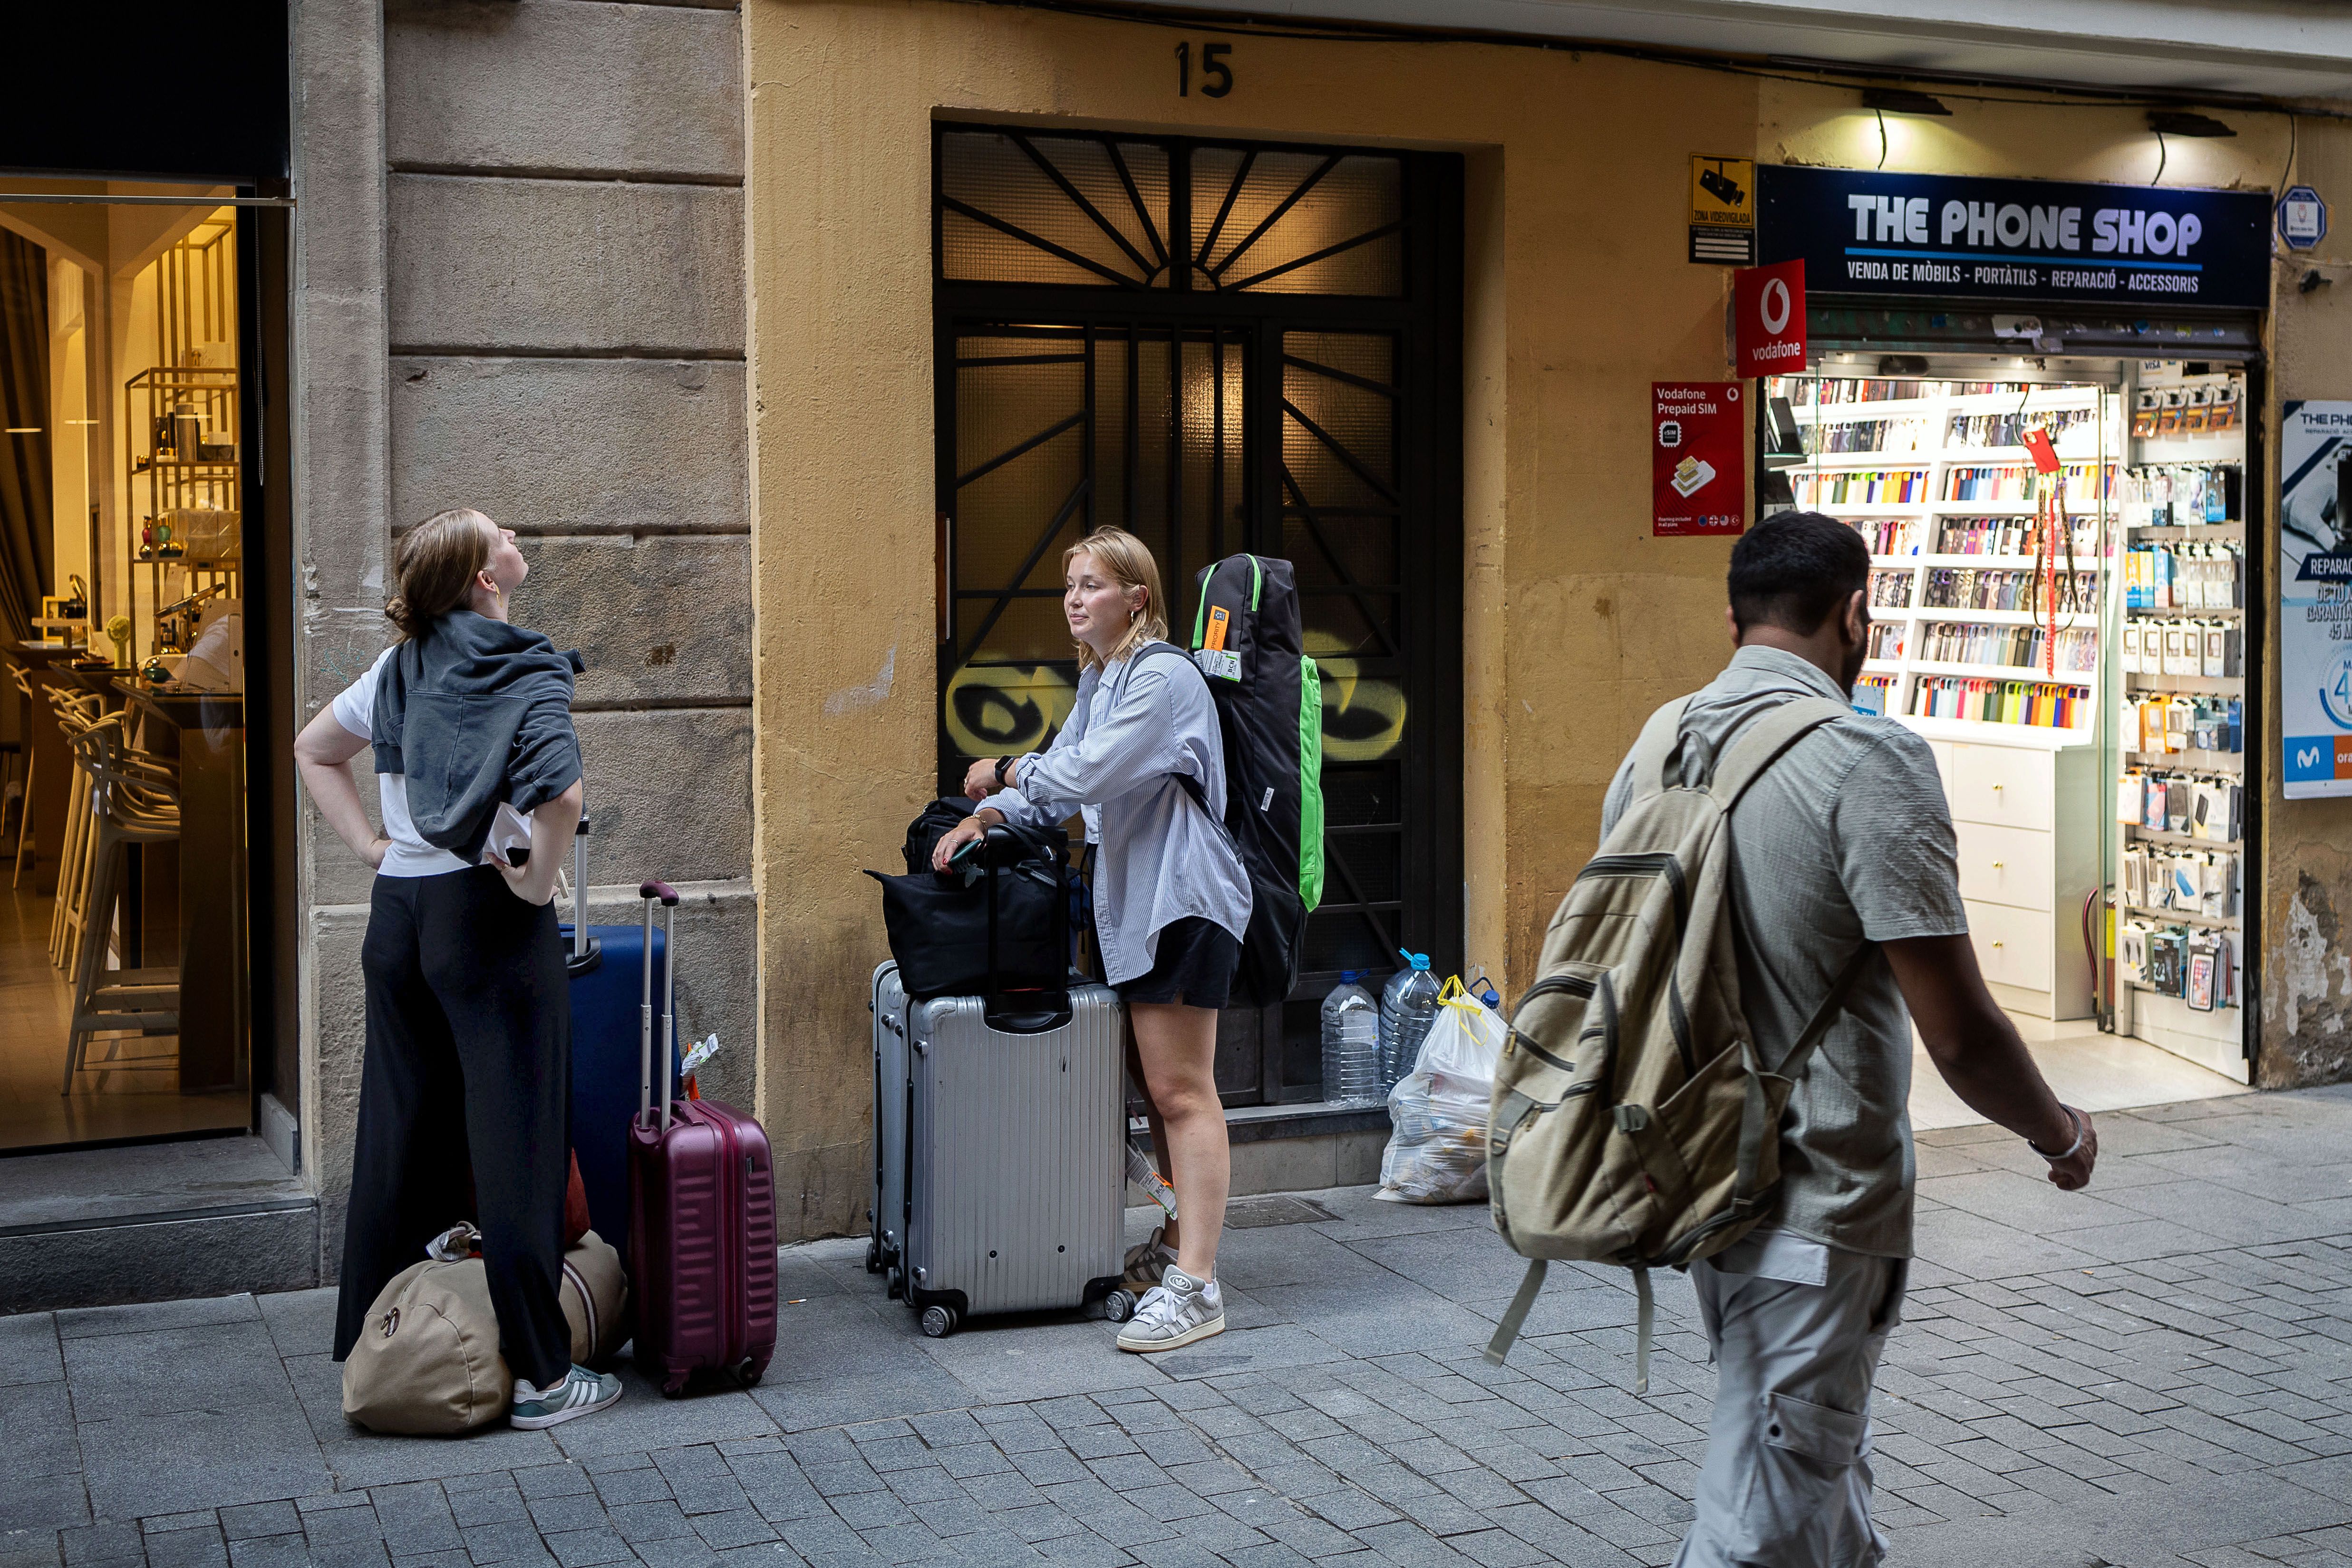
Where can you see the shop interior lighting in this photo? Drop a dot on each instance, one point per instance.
(2181, 122)
(1904, 100)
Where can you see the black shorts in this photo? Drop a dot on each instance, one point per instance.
(1193, 964)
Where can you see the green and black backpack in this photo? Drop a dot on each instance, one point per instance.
(1246, 640)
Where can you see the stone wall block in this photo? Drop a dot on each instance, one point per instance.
(338, 1022)
(671, 794)
(573, 445)
(558, 86)
(659, 622)
(566, 265)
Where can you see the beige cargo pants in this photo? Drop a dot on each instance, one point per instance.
(1786, 1483)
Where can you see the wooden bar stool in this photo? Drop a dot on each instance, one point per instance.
(35, 701)
(134, 801)
(68, 915)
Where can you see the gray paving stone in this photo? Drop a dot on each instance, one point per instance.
(586, 1548)
(187, 1549)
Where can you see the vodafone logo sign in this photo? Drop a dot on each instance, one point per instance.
(1768, 307)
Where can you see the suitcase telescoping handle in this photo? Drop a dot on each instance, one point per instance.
(580, 889)
(668, 896)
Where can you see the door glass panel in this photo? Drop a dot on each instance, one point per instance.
(1298, 223)
(1018, 207)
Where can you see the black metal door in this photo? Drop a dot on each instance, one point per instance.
(1280, 376)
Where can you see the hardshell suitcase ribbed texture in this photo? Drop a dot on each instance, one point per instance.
(702, 1219)
(1000, 1172)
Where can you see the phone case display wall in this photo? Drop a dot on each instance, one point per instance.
(1985, 636)
(1934, 476)
(2180, 601)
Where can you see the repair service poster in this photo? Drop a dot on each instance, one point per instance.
(2315, 589)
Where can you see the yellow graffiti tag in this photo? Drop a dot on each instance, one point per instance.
(989, 711)
(1363, 720)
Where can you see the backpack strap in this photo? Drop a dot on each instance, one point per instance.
(1755, 1123)
(1192, 786)
(1655, 748)
(1763, 741)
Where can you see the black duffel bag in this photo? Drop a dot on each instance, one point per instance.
(1006, 930)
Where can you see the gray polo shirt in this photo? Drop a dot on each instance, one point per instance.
(1846, 838)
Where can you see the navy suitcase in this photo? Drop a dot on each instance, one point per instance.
(607, 966)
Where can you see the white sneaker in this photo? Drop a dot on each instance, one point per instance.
(581, 1393)
(1176, 1311)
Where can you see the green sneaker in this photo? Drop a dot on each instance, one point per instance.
(581, 1393)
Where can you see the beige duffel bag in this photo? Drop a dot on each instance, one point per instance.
(427, 1361)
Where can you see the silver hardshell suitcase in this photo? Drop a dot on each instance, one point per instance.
(998, 1170)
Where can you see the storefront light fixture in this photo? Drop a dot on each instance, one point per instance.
(1904, 100)
(2181, 122)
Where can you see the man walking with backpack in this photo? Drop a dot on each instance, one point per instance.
(1766, 827)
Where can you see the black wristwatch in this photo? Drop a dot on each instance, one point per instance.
(1002, 764)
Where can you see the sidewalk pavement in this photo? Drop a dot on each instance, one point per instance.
(2157, 1372)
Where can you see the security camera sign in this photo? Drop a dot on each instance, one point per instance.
(1698, 485)
(2314, 603)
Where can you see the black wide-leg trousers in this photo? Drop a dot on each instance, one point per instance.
(468, 1054)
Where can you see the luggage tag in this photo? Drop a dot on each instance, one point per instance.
(698, 1057)
(1213, 657)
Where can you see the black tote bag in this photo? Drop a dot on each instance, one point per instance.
(940, 926)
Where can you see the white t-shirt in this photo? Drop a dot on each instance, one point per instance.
(410, 855)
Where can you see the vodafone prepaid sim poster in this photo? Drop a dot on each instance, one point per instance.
(1697, 451)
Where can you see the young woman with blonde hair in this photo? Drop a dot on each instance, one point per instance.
(1172, 899)
(468, 1065)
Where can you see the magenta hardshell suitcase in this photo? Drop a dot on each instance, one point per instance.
(702, 1212)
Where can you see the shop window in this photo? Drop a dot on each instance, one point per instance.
(123, 492)
(1220, 347)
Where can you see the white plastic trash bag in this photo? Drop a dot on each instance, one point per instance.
(1438, 1152)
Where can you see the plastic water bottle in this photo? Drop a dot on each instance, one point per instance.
(1408, 1008)
(1351, 1044)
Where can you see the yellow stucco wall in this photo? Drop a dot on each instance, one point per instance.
(1577, 297)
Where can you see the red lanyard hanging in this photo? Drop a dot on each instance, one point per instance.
(2050, 486)
(2053, 517)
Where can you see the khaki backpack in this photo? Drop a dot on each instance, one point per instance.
(1636, 1118)
(428, 1363)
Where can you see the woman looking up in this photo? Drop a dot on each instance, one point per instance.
(468, 1010)
(1172, 899)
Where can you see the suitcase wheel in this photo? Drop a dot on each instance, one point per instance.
(874, 1257)
(938, 1322)
(1119, 1306)
(750, 1371)
(673, 1385)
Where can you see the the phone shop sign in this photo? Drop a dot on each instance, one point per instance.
(1957, 237)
